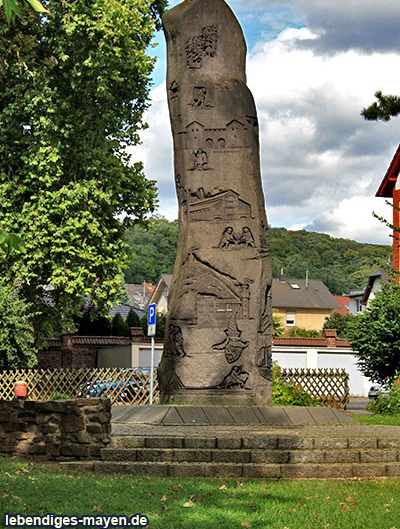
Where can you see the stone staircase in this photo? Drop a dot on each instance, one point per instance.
(274, 455)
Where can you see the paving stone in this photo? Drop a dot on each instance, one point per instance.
(224, 470)
(335, 471)
(260, 442)
(269, 456)
(323, 415)
(306, 456)
(154, 455)
(198, 442)
(118, 454)
(299, 416)
(393, 442)
(369, 470)
(172, 417)
(127, 442)
(393, 469)
(301, 471)
(243, 415)
(218, 415)
(199, 456)
(145, 469)
(275, 416)
(230, 456)
(192, 415)
(342, 456)
(362, 442)
(378, 456)
(295, 443)
(330, 443)
(156, 414)
(164, 442)
(188, 469)
(262, 471)
(343, 417)
(226, 442)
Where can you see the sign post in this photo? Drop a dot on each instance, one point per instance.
(151, 331)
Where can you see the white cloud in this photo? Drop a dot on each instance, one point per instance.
(321, 162)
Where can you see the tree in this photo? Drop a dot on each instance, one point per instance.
(387, 107)
(17, 348)
(133, 319)
(13, 8)
(340, 323)
(375, 335)
(119, 326)
(73, 89)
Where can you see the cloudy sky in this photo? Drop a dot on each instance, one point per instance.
(312, 66)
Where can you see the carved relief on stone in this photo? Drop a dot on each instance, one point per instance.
(232, 345)
(266, 314)
(209, 297)
(181, 191)
(230, 240)
(235, 379)
(174, 347)
(175, 382)
(235, 135)
(225, 205)
(264, 362)
(200, 160)
(201, 46)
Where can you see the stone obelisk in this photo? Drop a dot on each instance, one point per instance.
(219, 331)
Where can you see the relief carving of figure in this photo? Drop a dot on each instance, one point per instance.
(175, 347)
(232, 344)
(246, 239)
(228, 238)
(200, 160)
(236, 378)
(199, 96)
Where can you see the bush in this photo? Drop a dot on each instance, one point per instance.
(387, 404)
(303, 333)
(60, 396)
(289, 394)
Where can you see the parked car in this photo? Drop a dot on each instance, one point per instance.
(376, 390)
(121, 390)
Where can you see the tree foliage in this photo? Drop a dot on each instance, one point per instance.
(341, 264)
(340, 323)
(17, 348)
(375, 335)
(73, 88)
(14, 8)
(385, 108)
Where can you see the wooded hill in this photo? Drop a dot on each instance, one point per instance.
(342, 264)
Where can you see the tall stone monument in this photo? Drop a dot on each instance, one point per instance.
(219, 331)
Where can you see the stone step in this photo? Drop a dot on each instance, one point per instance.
(282, 442)
(238, 470)
(275, 456)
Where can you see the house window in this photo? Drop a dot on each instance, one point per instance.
(359, 306)
(290, 319)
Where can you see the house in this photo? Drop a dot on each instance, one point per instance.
(343, 302)
(139, 295)
(356, 305)
(160, 293)
(390, 189)
(304, 303)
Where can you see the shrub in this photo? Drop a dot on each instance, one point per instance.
(289, 394)
(387, 404)
(60, 396)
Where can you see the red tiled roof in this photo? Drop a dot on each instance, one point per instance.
(342, 300)
(390, 178)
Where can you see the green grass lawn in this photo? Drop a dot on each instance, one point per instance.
(391, 420)
(174, 503)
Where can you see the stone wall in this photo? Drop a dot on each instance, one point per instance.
(61, 430)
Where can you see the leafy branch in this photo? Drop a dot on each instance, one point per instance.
(387, 107)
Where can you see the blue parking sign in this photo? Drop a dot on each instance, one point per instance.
(151, 319)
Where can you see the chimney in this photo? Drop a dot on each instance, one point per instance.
(282, 277)
(330, 336)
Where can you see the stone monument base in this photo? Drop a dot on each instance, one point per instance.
(200, 397)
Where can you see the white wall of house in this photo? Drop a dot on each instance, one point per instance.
(325, 358)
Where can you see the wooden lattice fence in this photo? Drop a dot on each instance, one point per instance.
(330, 385)
(121, 385)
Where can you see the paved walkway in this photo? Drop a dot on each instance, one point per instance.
(230, 415)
